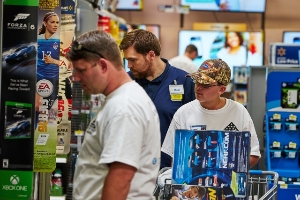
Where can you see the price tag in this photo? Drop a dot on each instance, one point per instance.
(292, 145)
(277, 126)
(277, 116)
(276, 144)
(42, 139)
(79, 132)
(292, 117)
(283, 186)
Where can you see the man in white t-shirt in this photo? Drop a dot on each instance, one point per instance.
(210, 111)
(185, 62)
(120, 155)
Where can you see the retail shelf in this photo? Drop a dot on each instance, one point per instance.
(58, 197)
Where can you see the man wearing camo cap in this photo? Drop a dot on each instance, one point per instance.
(210, 111)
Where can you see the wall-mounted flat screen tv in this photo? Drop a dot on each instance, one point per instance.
(130, 5)
(291, 37)
(235, 48)
(154, 28)
(255, 6)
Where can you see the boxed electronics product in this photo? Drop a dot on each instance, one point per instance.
(212, 159)
(284, 54)
(184, 192)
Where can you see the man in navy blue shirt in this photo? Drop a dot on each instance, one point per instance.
(167, 86)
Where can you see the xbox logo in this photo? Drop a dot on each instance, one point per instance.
(14, 179)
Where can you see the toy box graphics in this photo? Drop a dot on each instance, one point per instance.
(190, 192)
(212, 159)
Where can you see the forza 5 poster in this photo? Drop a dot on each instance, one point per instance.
(18, 76)
(47, 75)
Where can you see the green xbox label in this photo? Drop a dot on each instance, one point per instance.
(16, 184)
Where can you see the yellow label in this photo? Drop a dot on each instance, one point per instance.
(292, 145)
(284, 186)
(276, 144)
(79, 132)
(277, 116)
(220, 26)
(176, 97)
(292, 117)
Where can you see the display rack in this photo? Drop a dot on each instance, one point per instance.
(240, 87)
(282, 130)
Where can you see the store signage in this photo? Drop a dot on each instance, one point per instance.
(47, 83)
(15, 184)
(284, 54)
(18, 73)
(182, 9)
(220, 26)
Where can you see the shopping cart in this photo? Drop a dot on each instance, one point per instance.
(262, 185)
(259, 183)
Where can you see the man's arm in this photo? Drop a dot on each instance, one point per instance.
(117, 182)
(253, 160)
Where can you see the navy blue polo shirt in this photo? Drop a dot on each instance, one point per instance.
(158, 91)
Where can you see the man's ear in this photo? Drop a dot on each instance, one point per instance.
(151, 55)
(103, 65)
(222, 89)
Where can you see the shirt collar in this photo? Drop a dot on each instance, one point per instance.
(161, 77)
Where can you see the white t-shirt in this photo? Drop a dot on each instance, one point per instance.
(183, 62)
(126, 129)
(192, 116)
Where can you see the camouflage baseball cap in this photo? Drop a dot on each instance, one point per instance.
(212, 71)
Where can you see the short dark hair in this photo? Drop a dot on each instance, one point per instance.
(142, 41)
(100, 42)
(191, 48)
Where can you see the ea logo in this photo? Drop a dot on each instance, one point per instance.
(44, 88)
(63, 66)
(14, 179)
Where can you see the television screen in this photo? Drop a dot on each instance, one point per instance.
(291, 37)
(257, 6)
(239, 49)
(130, 5)
(154, 28)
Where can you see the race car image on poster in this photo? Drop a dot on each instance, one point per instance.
(21, 53)
(20, 128)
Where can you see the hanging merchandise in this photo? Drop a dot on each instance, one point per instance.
(104, 23)
(114, 29)
(65, 72)
(47, 85)
(282, 130)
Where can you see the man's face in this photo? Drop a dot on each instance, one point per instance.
(140, 65)
(206, 93)
(89, 75)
